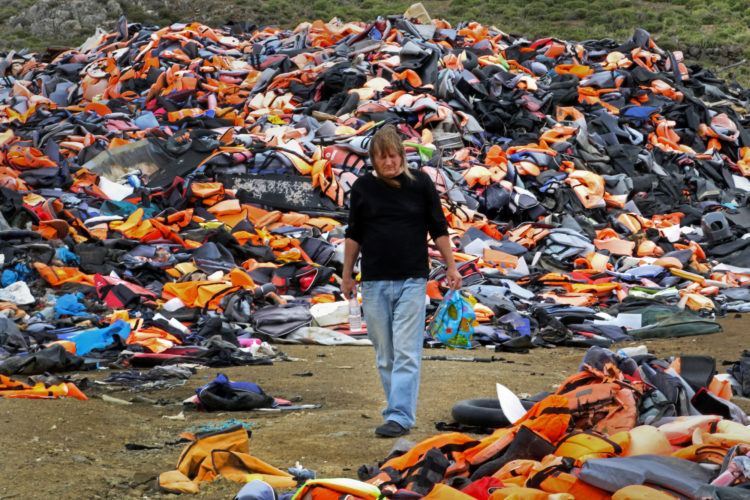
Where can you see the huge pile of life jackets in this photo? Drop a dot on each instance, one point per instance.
(622, 428)
(156, 179)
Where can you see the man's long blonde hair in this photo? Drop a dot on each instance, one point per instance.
(388, 140)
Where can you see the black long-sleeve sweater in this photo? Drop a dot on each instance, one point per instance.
(391, 225)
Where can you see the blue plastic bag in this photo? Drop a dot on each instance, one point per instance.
(453, 322)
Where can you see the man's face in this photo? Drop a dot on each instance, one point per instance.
(388, 164)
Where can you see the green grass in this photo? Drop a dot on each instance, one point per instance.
(674, 24)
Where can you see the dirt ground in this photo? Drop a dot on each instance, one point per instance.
(70, 449)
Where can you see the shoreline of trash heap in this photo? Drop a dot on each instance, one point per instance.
(180, 194)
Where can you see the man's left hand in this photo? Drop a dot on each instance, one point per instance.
(453, 279)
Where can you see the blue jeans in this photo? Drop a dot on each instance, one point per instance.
(395, 314)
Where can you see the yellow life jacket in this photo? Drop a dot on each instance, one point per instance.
(647, 439)
(336, 489)
(523, 493)
(724, 433)
(557, 480)
(445, 492)
(641, 492)
(702, 453)
(582, 445)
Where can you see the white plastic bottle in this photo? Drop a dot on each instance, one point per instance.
(633, 351)
(355, 315)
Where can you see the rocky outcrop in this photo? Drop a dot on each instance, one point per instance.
(725, 54)
(65, 20)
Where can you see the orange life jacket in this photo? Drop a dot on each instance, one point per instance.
(10, 388)
(451, 444)
(214, 453)
(606, 407)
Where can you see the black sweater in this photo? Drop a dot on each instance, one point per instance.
(391, 225)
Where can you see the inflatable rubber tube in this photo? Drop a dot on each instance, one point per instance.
(480, 412)
(483, 412)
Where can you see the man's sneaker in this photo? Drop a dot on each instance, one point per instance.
(391, 429)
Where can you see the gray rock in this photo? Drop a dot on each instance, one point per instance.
(67, 20)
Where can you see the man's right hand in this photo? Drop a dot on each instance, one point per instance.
(348, 287)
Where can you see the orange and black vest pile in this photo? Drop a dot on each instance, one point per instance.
(165, 176)
(596, 437)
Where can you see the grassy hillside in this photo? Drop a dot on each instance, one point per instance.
(713, 33)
